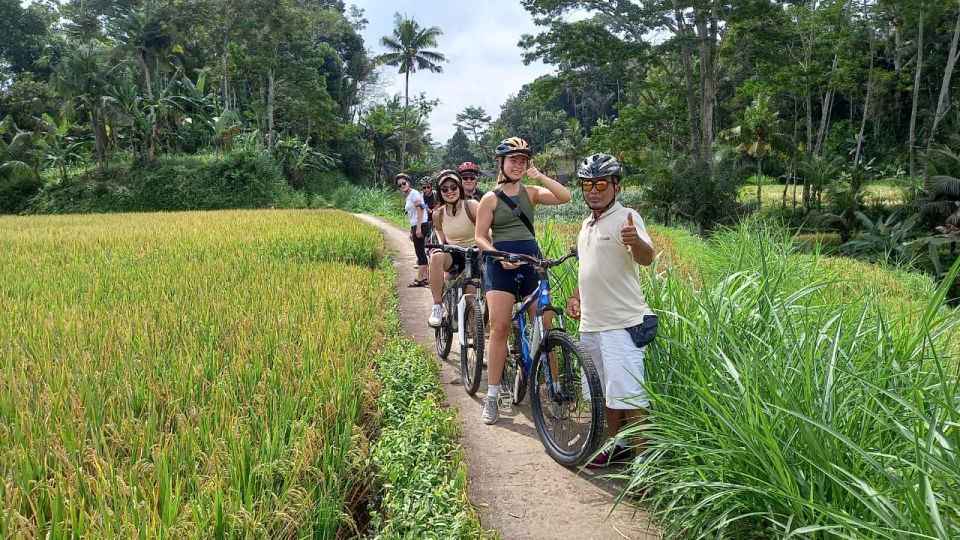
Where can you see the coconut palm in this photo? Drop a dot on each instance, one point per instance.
(408, 48)
(85, 80)
(759, 135)
(142, 36)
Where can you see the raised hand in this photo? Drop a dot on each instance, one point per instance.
(533, 172)
(628, 234)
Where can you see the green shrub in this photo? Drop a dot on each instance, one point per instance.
(239, 179)
(16, 191)
(788, 401)
(417, 457)
(324, 183)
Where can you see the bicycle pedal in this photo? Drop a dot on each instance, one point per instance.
(505, 401)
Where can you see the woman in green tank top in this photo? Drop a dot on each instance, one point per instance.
(500, 227)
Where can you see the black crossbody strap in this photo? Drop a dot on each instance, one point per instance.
(515, 208)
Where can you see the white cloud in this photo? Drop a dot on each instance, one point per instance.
(480, 42)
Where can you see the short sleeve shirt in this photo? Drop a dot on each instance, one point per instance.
(414, 200)
(609, 278)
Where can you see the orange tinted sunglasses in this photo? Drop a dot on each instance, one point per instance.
(587, 185)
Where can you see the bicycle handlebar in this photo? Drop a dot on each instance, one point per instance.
(534, 261)
(452, 248)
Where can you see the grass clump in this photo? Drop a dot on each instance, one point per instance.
(785, 406)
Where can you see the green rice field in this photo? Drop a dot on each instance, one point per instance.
(188, 375)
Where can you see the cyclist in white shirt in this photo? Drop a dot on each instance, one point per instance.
(615, 321)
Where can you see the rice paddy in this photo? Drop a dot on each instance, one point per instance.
(188, 375)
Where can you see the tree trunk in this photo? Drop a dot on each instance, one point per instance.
(142, 60)
(759, 181)
(403, 132)
(913, 111)
(945, 85)
(690, 92)
(866, 108)
(99, 135)
(827, 105)
(271, 89)
(793, 160)
(708, 86)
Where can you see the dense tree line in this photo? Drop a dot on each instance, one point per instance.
(699, 97)
(102, 81)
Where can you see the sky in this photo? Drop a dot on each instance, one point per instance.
(479, 39)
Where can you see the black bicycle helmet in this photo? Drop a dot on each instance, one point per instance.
(426, 181)
(513, 145)
(600, 165)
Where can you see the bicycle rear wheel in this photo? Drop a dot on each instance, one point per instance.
(471, 352)
(568, 415)
(443, 334)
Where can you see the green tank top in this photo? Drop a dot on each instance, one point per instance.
(507, 226)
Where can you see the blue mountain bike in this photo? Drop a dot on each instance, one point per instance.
(566, 399)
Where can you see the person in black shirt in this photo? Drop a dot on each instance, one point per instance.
(429, 197)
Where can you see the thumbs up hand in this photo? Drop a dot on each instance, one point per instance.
(628, 234)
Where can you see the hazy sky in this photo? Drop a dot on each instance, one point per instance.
(480, 42)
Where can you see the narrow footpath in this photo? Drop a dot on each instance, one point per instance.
(514, 485)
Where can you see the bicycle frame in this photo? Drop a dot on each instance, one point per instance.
(542, 299)
(460, 282)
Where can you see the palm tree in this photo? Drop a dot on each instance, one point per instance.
(84, 79)
(408, 49)
(142, 35)
(759, 135)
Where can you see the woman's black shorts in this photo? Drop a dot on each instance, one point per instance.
(523, 280)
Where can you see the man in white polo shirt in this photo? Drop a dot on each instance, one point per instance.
(615, 321)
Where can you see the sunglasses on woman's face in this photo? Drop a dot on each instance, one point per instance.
(588, 185)
(470, 178)
(448, 189)
(402, 185)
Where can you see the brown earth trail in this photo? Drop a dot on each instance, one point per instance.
(515, 486)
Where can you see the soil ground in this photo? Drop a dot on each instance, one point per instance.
(515, 486)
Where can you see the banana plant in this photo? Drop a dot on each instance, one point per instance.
(297, 158)
(58, 148)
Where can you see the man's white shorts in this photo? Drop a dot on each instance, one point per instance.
(620, 366)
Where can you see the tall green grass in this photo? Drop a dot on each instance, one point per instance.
(189, 375)
(788, 403)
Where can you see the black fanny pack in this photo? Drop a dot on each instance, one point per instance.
(643, 333)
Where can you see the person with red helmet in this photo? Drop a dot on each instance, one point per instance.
(469, 171)
(505, 223)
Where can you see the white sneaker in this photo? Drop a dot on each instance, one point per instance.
(436, 315)
(491, 412)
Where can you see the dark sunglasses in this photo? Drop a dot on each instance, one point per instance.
(402, 184)
(465, 178)
(588, 185)
(448, 189)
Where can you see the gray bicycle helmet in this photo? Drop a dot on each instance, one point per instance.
(600, 165)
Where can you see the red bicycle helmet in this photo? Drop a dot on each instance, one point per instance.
(469, 166)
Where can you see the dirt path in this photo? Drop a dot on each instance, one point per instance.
(515, 486)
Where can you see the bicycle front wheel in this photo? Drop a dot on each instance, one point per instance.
(443, 334)
(471, 352)
(566, 400)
